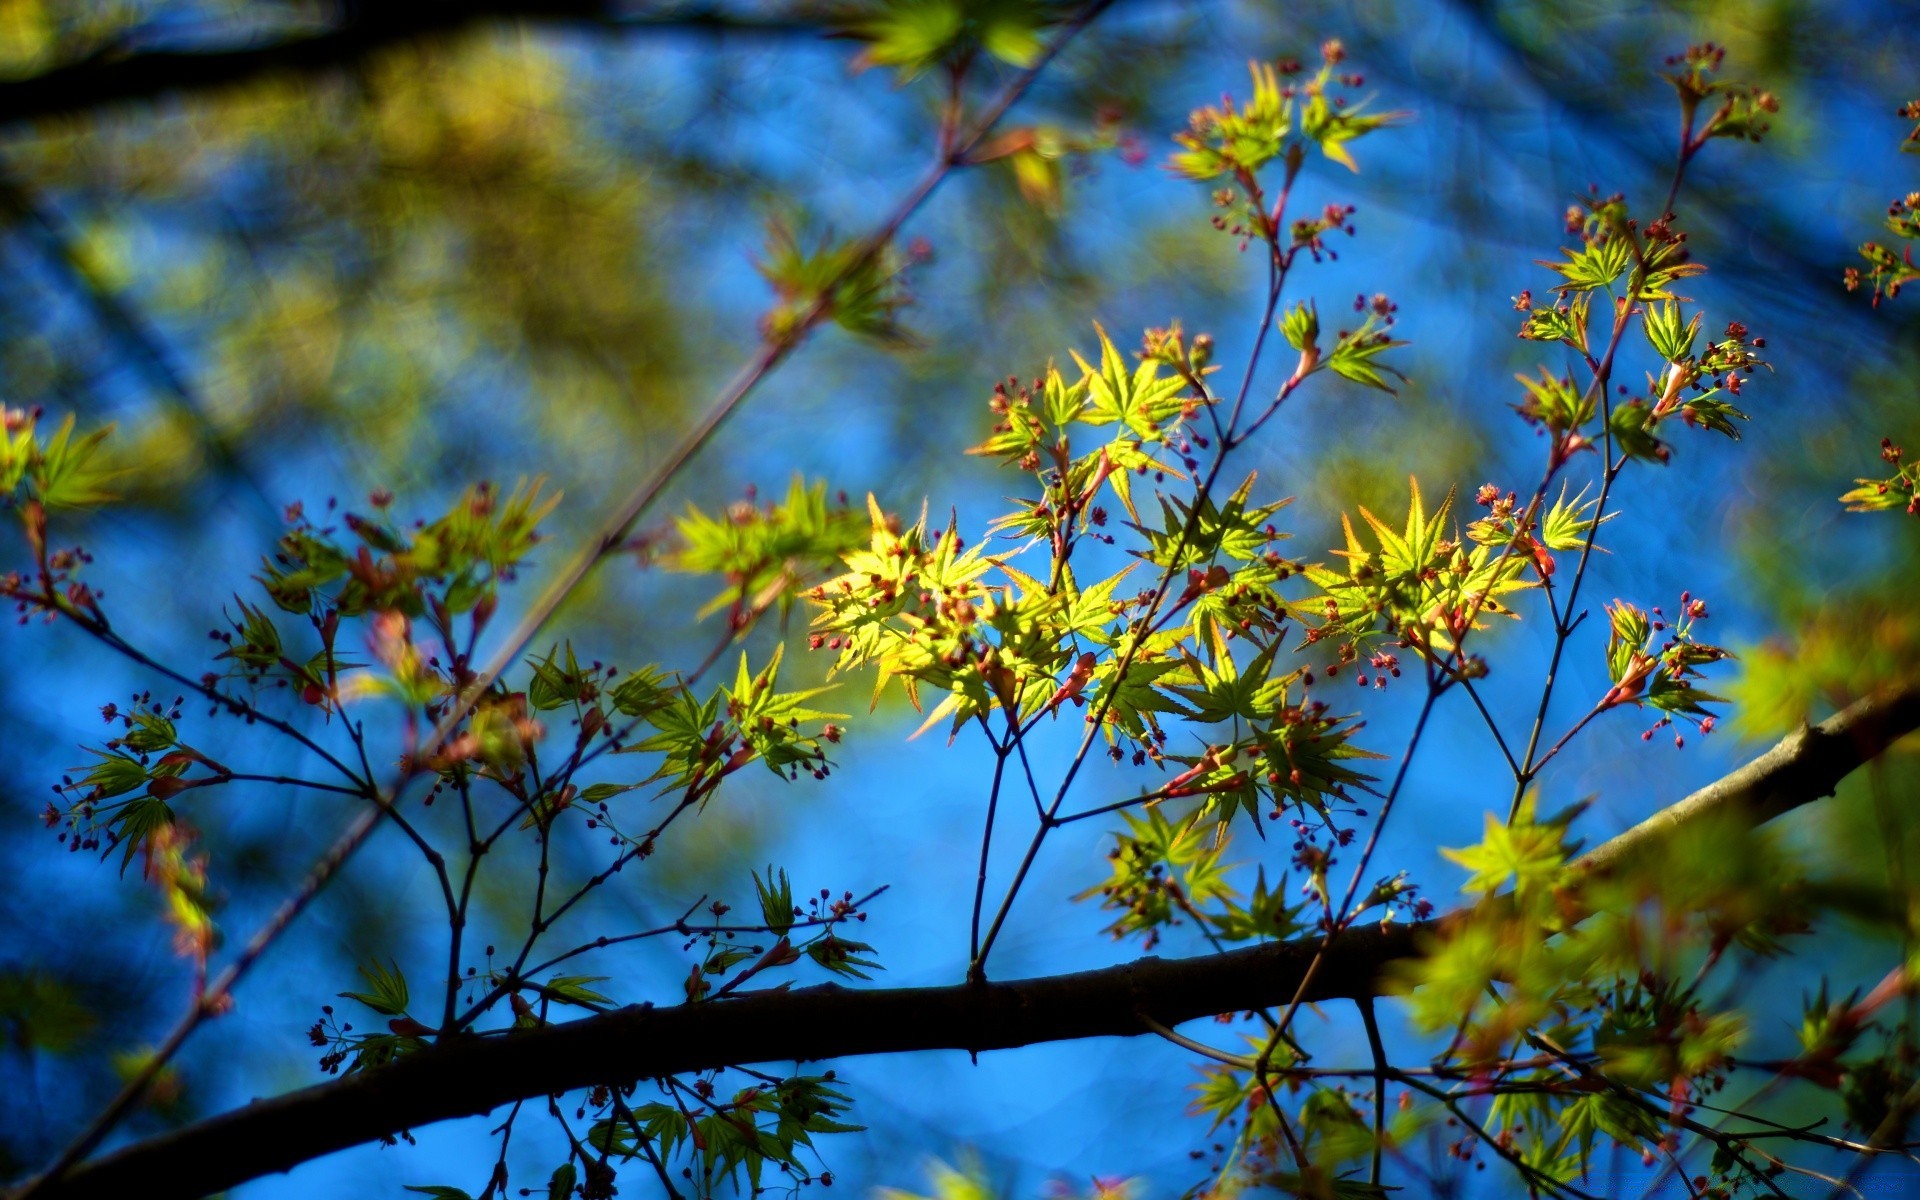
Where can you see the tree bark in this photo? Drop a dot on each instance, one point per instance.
(476, 1074)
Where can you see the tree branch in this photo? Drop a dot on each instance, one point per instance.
(119, 320)
(1802, 767)
(470, 1076)
(107, 78)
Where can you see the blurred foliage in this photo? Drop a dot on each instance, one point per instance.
(529, 249)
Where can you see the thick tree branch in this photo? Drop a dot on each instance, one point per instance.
(474, 1076)
(107, 79)
(1802, 767)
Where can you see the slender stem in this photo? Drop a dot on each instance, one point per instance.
(1566, 737)
(286, 781)
(1154, 797)
(1276, 280)
(233, 704)
(1493, 726)
(618, 525)
(1145, 623)
(1018, 738)
(215, 998)
(475, 852)
(1236, 1061)
(1372, 1023)
(1342, 917)
(986, 845)
(612, 535)
(505, 1130)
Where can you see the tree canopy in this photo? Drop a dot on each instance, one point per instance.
(648, 599)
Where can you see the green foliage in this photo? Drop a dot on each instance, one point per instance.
(1239, 142)
(914, 36)
(768, 1122)
(1581, 1003)
(1899, 491)
(704, 741)
(769, 553)
(776, 902)
(1739, 110)
(56, 471)
(1520, 854)
(1158, 871)
(453, 564)
(854, 284)
(1554, 403)
(1416, 586)
(1659, 672)
(1164, 875)
(1596, 264)
(40, 1013)
(386, 991)
(1354, 354)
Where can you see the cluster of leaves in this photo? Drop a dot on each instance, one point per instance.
(1586, 1000)
(1889, 271)
(1416, 586)
(1148, 410)
(1040, 157)
(916, 36)
(39, 472)
(103, 815)
(1278, 122)
(928, 612)
(1633, 266)
(700, 740)
(926, 615)
(1660, 676)
(54, 470)
(1165, 874)
(767, 553)
(856, 284)
(386, 993)
(447, 567)
(824, 944)
(769, 1120)
(102, 812)
(1738, 110)
(763, 722)
(1567, 525)
(372, 568)
(1901, 490)
(1332, 1136)
(1355, 352)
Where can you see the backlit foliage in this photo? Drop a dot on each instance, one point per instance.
(1889, 270)
(1134, 603)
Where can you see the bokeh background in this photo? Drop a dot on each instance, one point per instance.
(523, 244)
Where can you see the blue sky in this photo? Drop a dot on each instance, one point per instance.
(906, 814)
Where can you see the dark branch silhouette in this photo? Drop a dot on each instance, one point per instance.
(474, 1075)
(121, 322)
(109, 78)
